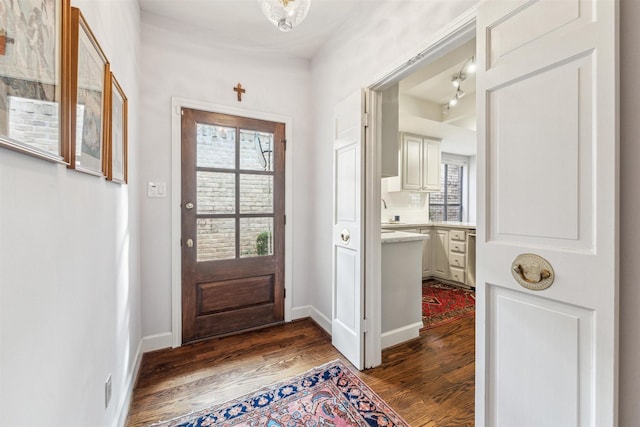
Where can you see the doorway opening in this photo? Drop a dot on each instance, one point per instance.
(428, 183)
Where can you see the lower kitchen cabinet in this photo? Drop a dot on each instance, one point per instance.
(447, 253)
(427, 253)
(440, 249)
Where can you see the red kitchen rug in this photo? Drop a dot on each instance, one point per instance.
(442, 303)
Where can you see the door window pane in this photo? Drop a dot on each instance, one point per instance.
(256, 237)
(216, 146)
(216, 239)
(256, 150)
(216, 192)
(256, 194)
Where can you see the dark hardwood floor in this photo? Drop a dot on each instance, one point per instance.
(429, 381)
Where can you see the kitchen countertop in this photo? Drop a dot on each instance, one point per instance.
(451, 224)
(401, 236)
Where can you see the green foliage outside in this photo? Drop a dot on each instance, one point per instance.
(262, 243)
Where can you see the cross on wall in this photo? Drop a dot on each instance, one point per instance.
(240, 91)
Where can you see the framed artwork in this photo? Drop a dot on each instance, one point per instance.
(90, 80)
(117, 158)
(34, 105)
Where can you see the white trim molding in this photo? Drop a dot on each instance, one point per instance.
(320, 319)
(177, 104)
(157, 342)
(124, 403)
(400, 335)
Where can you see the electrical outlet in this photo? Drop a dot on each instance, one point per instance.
(107, 391)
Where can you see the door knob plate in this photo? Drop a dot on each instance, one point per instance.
(532, 272)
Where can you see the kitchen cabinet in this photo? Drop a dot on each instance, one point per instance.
(440, 257)
(457, 255)
(419, 165)
(426, 253)
(448, 252)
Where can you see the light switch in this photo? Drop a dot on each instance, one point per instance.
(157, 189)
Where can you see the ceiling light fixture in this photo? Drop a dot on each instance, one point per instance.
(457, 79)
(469, 66)
(285, 14)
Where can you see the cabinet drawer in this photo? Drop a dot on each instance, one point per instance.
(456, 260)
(455, 246)
(457, 235)
(457, 274)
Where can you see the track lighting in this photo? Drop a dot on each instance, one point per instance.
(456, 81)
(471, 67)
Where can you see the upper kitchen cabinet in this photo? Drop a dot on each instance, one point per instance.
(419, 164)
(389, 130)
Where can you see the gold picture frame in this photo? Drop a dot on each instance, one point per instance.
(34, 104)
(117, 153)
(90, 83)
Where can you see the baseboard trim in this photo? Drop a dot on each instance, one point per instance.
(301, 312)
(400, 335)
(312, 312)
(157, 342)
(125, 401)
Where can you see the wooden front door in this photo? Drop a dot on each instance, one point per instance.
(232, 224)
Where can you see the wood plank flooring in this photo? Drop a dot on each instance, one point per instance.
(429, 381)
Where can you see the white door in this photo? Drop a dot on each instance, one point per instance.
(347, 323)
(547, 181)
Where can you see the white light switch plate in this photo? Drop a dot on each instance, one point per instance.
(157, 189)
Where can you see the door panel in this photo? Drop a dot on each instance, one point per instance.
(412, 164)
(547, 184)
(232, 224)
(544, 198)
(347, 332)
(552, 352)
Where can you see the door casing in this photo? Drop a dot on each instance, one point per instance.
(177, 103)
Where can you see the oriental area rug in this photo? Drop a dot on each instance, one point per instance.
(442, 303)
(329, 395)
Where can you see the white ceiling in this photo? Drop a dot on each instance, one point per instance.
(242, 23)
(431, 87)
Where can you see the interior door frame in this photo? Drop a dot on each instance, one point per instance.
(449, 38)
(177, 103)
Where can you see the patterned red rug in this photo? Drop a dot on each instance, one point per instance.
(443, 303)
(329, 395)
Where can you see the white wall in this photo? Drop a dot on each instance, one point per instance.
(385, 35)
(69, 268)
(630, 212)
(179, 62)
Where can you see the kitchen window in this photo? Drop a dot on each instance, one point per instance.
(448, 204)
